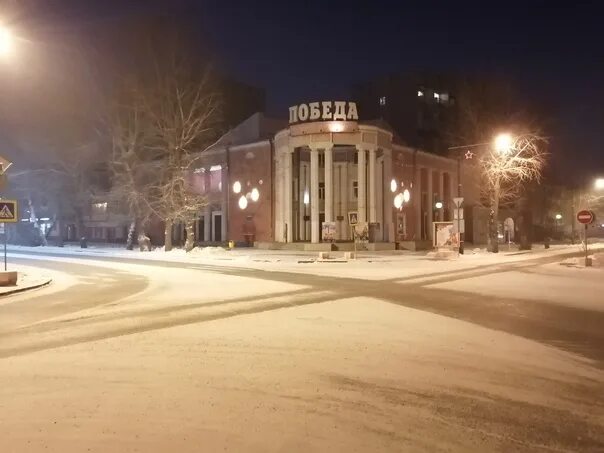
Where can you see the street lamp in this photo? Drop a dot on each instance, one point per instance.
(6, 41)
(599, 184)
(503, 143)
(439, 205)
(558, 216)
(255, 195)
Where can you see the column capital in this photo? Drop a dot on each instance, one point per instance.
(366, 147)
(320, 145)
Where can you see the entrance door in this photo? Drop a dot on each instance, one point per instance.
(217, 224)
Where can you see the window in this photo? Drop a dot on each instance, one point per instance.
(98, 211)
(321, 160)
(356, 157)
(321, 191)
(382, 100)
(215, 178)
(355, 189)
(444, 97)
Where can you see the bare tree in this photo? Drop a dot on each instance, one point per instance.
(130, 163)
(183, 112)
(505, 170)
(165, 120)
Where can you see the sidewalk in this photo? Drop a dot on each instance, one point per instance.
(368, 265)
(28, 278)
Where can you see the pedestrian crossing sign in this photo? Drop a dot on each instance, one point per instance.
(8, 211)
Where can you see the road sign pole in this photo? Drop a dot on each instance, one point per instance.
(586, 254)
(4, 230)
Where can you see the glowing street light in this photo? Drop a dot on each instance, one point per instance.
(599, 184)
(6, 42)
(558, 216)
(439, 205)
(255, 195)
(242, 202)
(236, 187)
(503, 143)
(393, 185)
(406, 195)
(398, 201)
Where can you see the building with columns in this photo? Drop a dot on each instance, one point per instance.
(274, 184)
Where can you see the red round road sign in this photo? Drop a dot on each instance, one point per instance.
(585, 217)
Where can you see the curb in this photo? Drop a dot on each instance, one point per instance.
(27, 288)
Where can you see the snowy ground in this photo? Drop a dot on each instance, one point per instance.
(347, 375)
(27, 277)
(232, 358)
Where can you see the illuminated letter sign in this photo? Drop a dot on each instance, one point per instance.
(323, 111)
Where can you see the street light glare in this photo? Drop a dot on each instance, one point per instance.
(599, 184)
(6, 41)
(503, 143)
(255, 195)
(558, 216)
(398, 201)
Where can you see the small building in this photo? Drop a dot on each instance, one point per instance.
(274, 183)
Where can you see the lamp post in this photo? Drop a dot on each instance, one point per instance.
(399, 202)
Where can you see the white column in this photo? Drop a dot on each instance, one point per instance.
(302, 206)
(361, 173)
(207, 223)
(329, 185)
(307, 207)
(314, 195)
(337, 196)
(287, 193)
(344, 188)
(430, 202)
(278, 201)
(372, 180)
(225, 202)
(388, 197)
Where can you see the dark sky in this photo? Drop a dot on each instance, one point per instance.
(318, 49)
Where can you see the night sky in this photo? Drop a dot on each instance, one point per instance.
(318, 49)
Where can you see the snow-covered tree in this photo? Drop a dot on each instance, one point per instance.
(159, 127)
(506, 167)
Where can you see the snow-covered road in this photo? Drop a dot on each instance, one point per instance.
(154, 358)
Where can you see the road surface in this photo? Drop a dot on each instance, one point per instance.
(279, 361)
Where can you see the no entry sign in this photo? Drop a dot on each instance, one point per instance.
(585, 217)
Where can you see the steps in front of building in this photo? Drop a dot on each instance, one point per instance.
(323, 246)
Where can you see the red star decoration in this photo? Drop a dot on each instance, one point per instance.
(469, 154)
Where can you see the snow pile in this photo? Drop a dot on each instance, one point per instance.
(205, 251)
(598, 260)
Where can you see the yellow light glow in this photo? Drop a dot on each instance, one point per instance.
(406, 196)
(242, 202)
(255, 195)
(398, 201)
(599, 184)
(558, 216)
(237, 187)
(393, 185)
(503, 143)
(336, 127)
(6, 41)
